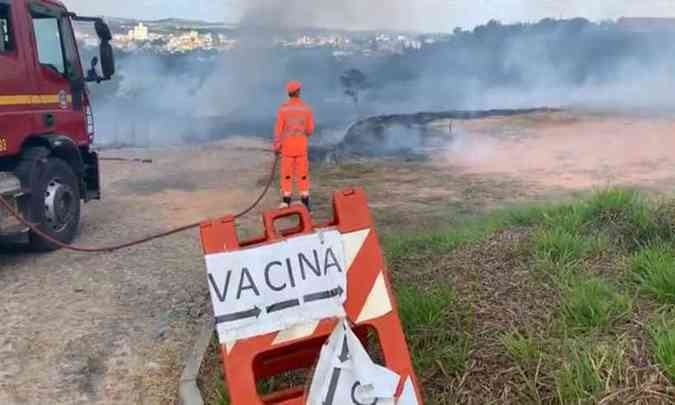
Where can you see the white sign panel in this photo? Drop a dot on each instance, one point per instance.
(345, 374)
(274, 287)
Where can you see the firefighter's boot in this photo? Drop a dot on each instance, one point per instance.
(306, 202)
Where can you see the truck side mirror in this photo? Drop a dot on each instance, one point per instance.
(107, 57)
(102, 31)
(107, 60)
(106, 51)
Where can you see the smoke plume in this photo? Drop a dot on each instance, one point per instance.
(272, 15)
(555, 63)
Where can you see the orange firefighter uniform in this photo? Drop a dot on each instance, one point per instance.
(294, 125)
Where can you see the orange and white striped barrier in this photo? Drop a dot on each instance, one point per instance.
(280, 297)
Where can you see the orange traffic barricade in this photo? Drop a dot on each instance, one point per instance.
(369, 305)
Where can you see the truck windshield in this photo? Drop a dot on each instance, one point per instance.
(49, 44)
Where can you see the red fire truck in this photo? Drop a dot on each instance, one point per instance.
(47, 166)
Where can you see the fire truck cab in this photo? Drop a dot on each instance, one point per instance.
(47, 165)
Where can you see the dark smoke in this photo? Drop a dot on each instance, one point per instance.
(275, 16)
(404, 135)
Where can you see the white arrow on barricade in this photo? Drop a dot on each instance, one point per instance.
(346, 374)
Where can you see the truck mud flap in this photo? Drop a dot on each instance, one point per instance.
(92, 177)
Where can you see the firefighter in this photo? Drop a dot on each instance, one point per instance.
(294, 125)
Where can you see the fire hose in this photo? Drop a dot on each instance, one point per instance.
(34, 228)
(116, 159)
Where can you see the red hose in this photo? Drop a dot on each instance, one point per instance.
(81, 249)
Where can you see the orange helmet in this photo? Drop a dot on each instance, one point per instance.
(293, 86)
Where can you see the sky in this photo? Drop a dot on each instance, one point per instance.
(414, 15)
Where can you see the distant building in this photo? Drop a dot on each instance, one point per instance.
(139, 33)
(170, 38)
(647, 24)
(192, 40)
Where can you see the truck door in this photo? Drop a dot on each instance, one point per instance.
(16, 80)
(59, 73)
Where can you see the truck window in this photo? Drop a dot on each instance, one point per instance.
(5, 29)
(48, 38)
(72, 57)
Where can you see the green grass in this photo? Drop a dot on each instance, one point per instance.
(462, 231)
(524, 216)
(654, 269)
(592, 303)
(523, 349)
(631, 219)
(435, 326)
(600, 210)
(665, 219)
(221, 394)
(663, 345)
(470, 230)
(625, 217)
(570, 241)
(586, 370)
(565, 218)
(562, 251)
(527, 353)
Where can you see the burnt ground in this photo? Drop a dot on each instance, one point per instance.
(114, 328)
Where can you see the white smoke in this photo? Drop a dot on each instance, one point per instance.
(199, 97)
(345, 14)
(436, 15)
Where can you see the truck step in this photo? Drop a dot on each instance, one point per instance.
(10, 189)
(10, 186)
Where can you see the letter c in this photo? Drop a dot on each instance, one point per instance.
(356, 401)
(269, 281)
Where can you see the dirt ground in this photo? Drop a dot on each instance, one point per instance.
(568, 150)
(114, 328)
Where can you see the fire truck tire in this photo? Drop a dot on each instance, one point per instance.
(54, 200)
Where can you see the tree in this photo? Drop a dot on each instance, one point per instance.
(354, 82)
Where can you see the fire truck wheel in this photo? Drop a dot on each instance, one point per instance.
(54, 201)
